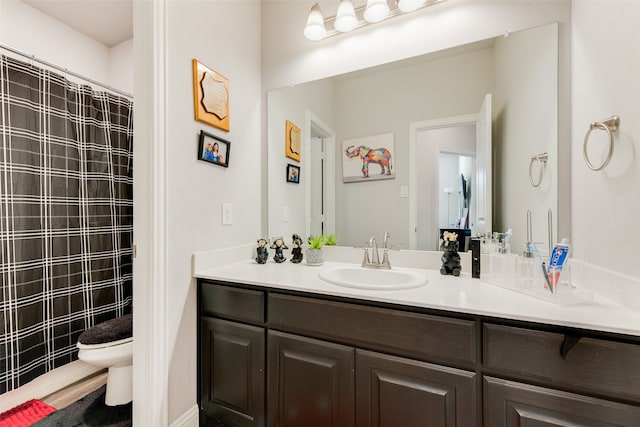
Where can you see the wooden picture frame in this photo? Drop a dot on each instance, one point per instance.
(214, 149)
(293, 173)
(210, 96)
(292, 143)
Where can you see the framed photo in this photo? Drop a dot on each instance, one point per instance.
(293, 173)
(292, 141)
(213, 149)
(368, 159)
(210, 96)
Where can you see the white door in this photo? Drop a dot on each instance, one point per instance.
(316, 177)
(483, 187)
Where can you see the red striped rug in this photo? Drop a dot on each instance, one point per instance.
(25, 414)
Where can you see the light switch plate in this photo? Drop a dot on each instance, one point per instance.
(227, 214)
(404, 191)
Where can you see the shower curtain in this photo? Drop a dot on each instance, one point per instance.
(66, 216)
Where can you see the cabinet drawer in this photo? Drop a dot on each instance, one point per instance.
(231, 302)
(415, 335)
(512, 404)
(592, 364)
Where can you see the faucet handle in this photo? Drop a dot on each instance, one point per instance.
(365, 258)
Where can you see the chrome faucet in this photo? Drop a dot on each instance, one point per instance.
(375, 257)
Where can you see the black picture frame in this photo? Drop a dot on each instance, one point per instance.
(224, 148)
(293, 173)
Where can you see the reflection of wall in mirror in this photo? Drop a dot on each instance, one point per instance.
(525, 124)
(387, 100)
(291, 104)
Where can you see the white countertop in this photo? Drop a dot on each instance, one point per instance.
(456, 294)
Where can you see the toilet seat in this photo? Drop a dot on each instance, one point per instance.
(103, 345)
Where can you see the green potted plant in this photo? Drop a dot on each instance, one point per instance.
(330, 239)
(315, 255)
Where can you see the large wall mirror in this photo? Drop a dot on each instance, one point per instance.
(431, 107)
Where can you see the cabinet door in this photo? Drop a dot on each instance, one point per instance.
(393, 391)
(310, 382)
(514, 404)
(232, 372)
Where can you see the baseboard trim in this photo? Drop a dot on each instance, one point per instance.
(188, 419)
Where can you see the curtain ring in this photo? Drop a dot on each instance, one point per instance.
(609, 126)
(541, 159)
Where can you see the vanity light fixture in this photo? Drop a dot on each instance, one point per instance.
(349, 18)
(315, 29)
(346, 19)
(376, 11)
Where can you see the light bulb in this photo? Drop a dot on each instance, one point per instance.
(376, 11)
(409, 5)
(315, 29)
(346, 18)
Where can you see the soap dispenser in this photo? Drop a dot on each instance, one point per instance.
(475, 258)
(525, 266)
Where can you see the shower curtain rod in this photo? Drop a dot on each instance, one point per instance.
(64, 70)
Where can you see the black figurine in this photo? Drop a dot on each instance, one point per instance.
(297, 249)
(450, 257)
(278, 245)
(262, 253)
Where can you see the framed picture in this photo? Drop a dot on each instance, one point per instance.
(368, 159)
(213, 149)
(292, 141)
(293, 173)
(210, 96)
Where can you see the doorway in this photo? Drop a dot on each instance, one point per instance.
(320, 194)
(468, 135)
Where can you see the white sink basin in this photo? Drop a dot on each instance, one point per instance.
(367, 278)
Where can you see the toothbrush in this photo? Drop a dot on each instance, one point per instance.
(534, 250)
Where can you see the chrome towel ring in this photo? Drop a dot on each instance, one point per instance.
(609, 126)
(541, 159)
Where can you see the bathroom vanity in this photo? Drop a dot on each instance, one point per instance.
(277, 347)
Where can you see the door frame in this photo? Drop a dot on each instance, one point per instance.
(414, 128)
(313, 124)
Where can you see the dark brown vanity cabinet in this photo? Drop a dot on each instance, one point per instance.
(310, 382)
(587, 384)
(284, 359)
(231, 356)
(395, 391)
(269, 358)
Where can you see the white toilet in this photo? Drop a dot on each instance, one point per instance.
(110, 345)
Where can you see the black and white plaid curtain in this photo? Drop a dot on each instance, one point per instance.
(66, 216)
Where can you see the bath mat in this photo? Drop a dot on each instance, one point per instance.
(89, 411)
(25, 414)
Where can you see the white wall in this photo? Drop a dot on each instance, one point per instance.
(121, 66)
(606, 66)
(30, 31)
(178, 203)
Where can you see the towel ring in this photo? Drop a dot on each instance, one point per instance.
(609, 126)
(541, 159)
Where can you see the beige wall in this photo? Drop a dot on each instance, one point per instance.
(606, 65)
